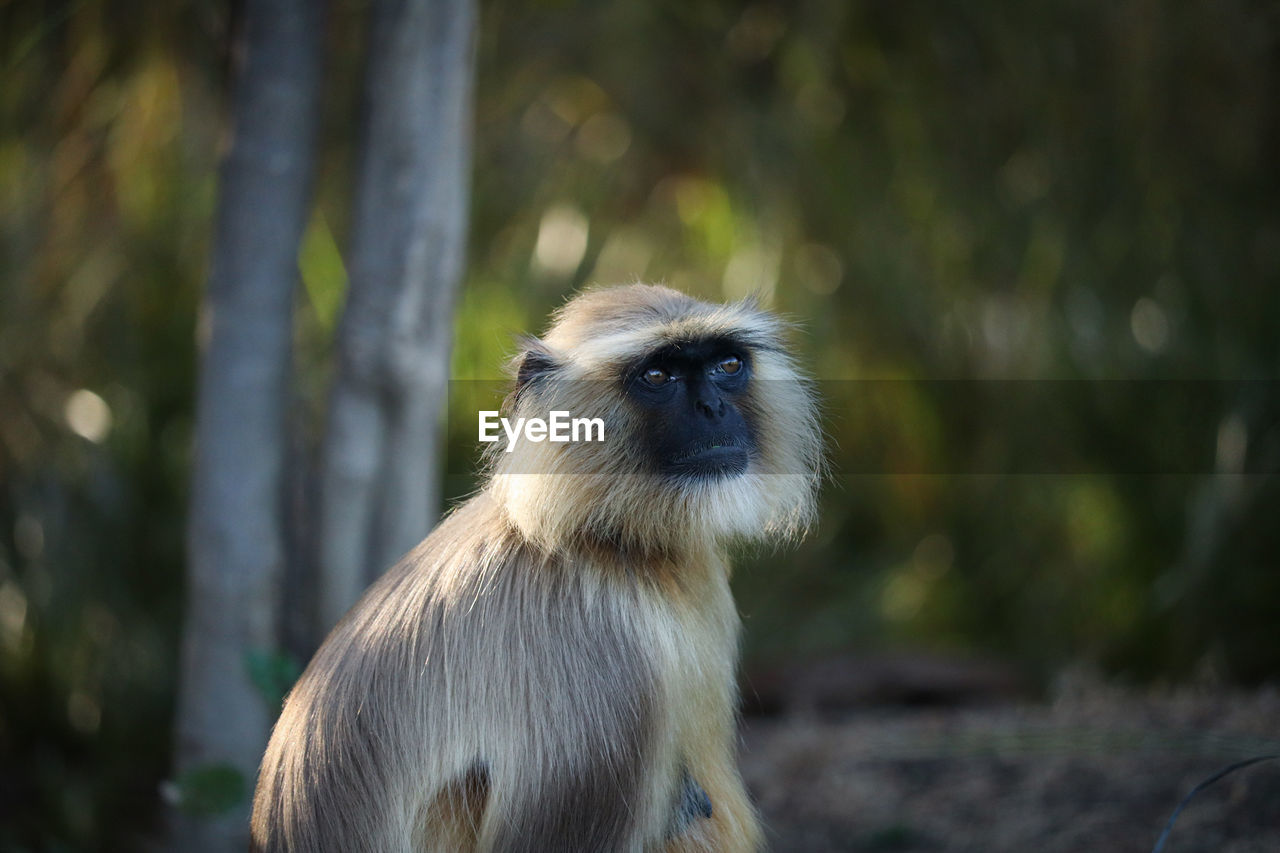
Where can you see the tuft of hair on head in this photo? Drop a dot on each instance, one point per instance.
(563, 495)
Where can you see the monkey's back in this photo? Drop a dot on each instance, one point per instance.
(478, 692)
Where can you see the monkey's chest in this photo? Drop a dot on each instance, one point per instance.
(694, 658)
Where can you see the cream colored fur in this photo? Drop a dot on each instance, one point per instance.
(539, 672)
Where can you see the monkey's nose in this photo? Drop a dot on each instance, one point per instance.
(712, 407)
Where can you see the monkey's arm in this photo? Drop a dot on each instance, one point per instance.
(587, 813)
(572, 765)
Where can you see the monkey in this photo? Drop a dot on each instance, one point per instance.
(553, 669)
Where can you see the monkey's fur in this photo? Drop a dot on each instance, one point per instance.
(552, 669)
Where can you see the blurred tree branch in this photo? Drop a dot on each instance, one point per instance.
(235, 541)
(380, 465)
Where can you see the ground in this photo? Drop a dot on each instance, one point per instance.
(1095, 769)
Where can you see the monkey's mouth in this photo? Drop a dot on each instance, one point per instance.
(723, 457)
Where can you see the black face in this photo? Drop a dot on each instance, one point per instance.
(691, 394)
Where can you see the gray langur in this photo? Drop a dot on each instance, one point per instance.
(552, 670)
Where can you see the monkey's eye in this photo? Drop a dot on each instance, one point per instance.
(657, 376)
(730, 365)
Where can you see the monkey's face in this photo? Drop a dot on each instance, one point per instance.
(710, 431)
(689, 395)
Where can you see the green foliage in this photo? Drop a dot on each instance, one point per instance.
(272, 673)
(210, 790)
(995, 193)
(324, 276)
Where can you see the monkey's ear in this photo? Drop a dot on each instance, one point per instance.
(534, 362)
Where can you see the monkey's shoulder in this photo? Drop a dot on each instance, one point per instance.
(475, 596)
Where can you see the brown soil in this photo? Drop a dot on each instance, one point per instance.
(1098, 769)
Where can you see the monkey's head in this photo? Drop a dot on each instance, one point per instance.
(710, 432)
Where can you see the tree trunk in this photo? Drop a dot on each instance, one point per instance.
(235, 536)
(380, 465)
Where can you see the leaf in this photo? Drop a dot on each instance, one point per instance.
(210, 790)
(273, 673)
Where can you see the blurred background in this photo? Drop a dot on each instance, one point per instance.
(1034, 250)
